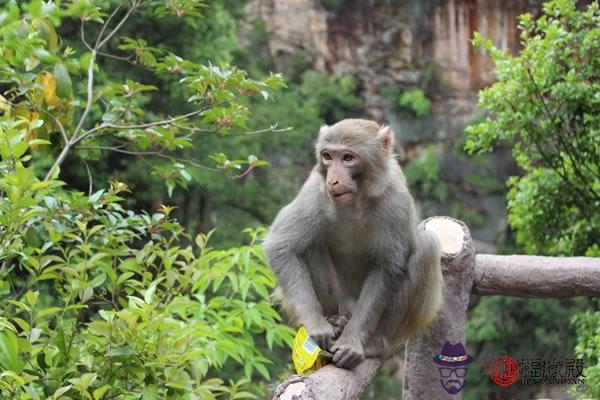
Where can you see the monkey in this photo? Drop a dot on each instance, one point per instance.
(351, 265)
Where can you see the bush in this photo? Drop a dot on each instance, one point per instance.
(545, 105)
(104, 302)
(414, 101)
(99, 301)
(423, 174)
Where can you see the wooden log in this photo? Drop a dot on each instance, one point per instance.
(535, 276)
(330, 383)
(422, 377)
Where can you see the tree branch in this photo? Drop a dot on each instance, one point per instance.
(105, 25)
(100, 43)
(330, 382)
(75, 138)
(60, 126)
(537, 276)
(89, 175)
(145, 125)
(82, 34)
(273, 129)
(155, 153)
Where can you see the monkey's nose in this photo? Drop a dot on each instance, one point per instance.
(333, 183)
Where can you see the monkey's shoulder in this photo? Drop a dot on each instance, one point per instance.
(395, 204)
(304, 216)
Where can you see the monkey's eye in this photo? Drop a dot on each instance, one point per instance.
(326, 156)
(348, 157)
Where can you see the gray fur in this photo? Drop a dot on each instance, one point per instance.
(370, 265)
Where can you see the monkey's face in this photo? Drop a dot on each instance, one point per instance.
(341, 168)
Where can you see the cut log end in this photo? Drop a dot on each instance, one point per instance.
(449, 231)
(293, 391)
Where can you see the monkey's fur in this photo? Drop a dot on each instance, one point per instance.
(347, 248)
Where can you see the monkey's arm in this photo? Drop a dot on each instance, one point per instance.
(349, 348)
(371, 303)
(295, 228)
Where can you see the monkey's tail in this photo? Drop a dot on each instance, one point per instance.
(422, 296)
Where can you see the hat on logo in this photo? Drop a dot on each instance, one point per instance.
(453, 355)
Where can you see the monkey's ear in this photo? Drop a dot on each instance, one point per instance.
(386, 136)
(323, 129)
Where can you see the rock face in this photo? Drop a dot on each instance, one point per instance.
(408, 44)
(393, 40)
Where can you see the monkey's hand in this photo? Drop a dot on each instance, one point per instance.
(348, 351)
(322, 331)
(339, 323)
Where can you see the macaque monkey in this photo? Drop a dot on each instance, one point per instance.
(352, 266)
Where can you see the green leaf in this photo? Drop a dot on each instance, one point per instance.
(99, 393)
(100, 328)
(123, 277)
(32, 297)
(263, 370)
(150, 393)
(60, 391)
(121, 351)
(270, 335)
(86, 294)
(149, 293)
(98, 280)
(9, 350)
(48, 311)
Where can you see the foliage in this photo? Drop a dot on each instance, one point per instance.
(588, 347)
(423, 175)
(100, 301)
(545, 105)
(37, 69)
(414, 101)
(332, 97)
(103, 302)
(538, 329)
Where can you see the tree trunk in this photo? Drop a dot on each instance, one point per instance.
(422, 378)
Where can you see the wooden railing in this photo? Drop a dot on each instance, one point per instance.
(464, 273)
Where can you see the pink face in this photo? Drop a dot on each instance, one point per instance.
(342, 166)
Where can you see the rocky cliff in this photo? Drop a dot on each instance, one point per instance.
(409, 44)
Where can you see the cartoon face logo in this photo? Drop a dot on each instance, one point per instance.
(453, 360)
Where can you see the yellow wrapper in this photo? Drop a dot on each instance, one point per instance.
(305, 351)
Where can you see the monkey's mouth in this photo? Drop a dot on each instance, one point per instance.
(343, 195)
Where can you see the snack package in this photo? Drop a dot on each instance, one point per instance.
(307, 355)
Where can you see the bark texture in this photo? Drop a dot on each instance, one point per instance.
(330, 383)
(422, 379)
(536, 276)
